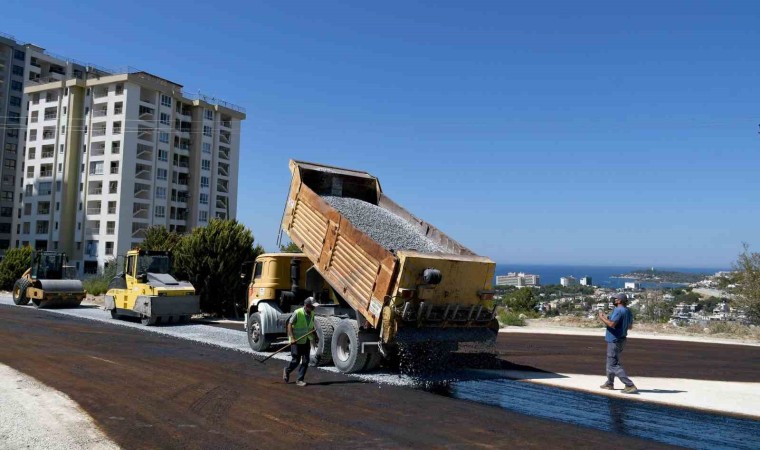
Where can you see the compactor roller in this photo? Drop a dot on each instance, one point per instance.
(49, 283)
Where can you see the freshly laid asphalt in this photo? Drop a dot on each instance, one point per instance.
(147, 390)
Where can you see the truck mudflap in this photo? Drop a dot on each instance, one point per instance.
(167, 305)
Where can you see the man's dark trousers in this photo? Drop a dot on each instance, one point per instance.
(299, 352)
(614, 369)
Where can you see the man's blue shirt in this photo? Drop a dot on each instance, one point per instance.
(623, 318)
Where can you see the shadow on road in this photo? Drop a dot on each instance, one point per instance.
(661, 391)
(330, 383)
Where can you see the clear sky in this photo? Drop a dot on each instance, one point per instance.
(532, 132)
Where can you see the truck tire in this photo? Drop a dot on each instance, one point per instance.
(256, 339)
(346, 347)
(19, 291)
(321, 355)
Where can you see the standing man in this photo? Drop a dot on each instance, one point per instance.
(618, 324)
(300, 324)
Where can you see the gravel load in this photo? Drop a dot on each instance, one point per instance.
(384, 227)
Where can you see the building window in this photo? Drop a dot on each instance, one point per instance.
(208, 114)
(204, 182)
(160, 192)
(117, 128)
(165, 119)
(96, 168)
(202, 216)
(60, 148)
(8, 195)
(118, 107)
(207, 130)
(34, 117)
(163, 137)
(60, 167)
(114, 167)
(206, 147)
(6, 211)
(110, 227)
(63, 129)
(119, 89)
(204, 199)
(10, 147)
(116, 147)
(113, 187)
(160, 211)
(15, 101)
(206, 164)
(166, 100)
(14, 117)
(16, 86)
(111, 207)
(18, 54)
(18, 70)
(163, 155)
(161, 174)
(42, 226)
(109, 248)
(9, 163)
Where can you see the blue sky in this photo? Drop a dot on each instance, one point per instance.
(549, 132)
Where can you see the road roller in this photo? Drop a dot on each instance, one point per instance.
(49, 283)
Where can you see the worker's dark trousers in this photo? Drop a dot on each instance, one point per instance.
(299, 352)
(614, 369)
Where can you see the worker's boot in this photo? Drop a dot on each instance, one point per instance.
(630, 389)
(301, 383)
(608, 386)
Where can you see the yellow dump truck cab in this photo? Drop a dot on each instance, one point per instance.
(146, 289)
(49, 282)
(279, 285)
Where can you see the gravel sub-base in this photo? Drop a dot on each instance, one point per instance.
(384, 227)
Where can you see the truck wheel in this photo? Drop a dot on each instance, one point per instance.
(321, 355)
(256, 338)
(19, 291)
(346, 347)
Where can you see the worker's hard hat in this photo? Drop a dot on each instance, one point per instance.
(309, 302)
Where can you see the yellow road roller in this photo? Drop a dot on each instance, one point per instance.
(49, 283)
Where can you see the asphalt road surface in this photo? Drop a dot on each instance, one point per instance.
(146, 390)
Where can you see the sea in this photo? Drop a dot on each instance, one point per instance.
(601, 276)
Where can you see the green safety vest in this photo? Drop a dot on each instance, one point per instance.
(301, 326)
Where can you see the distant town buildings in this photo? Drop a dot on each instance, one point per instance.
(568, 281)
(586, 281)
(518, 279)
(632, 285)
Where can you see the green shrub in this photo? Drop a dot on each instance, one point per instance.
(98, 284)
(511, 318)
(158, 237)
(14, 264)
(210, 258)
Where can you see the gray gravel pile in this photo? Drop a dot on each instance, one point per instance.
(384, 227)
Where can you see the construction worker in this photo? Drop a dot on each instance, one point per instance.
(618, 324)
(301, 323)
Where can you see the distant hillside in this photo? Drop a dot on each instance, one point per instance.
(665, 276)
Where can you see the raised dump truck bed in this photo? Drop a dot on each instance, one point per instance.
(332, 214)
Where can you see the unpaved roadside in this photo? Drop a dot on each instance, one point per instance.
(33, 415)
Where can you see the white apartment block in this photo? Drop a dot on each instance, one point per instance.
(568, 281)
(108, 156)
(518, 279)
(20, 65)
(586, 281)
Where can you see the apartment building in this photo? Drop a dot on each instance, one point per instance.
(110, 154)
(22, 64)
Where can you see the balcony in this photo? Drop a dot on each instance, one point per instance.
(48, 133)
(142, 191)
(180, 196)
(100, 112)
(140, 210)
(182, 162)
(98, 149)
(146, 113)
(95, 188)
(224, 153)
(181, 179)
(111, 230)
(100, 92)
(98, 131)
(47, 151)
(138, 229)
(144, 152)
(93, 211)
(221, 203)
(222, 186)
(51, 116)
(46, 173)
(226, 123)
(143, 172)
(225, 137)
(144, 133)
(224, 170)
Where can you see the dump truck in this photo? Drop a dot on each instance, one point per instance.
(145, 289)
(49, 283)
(383, 278)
